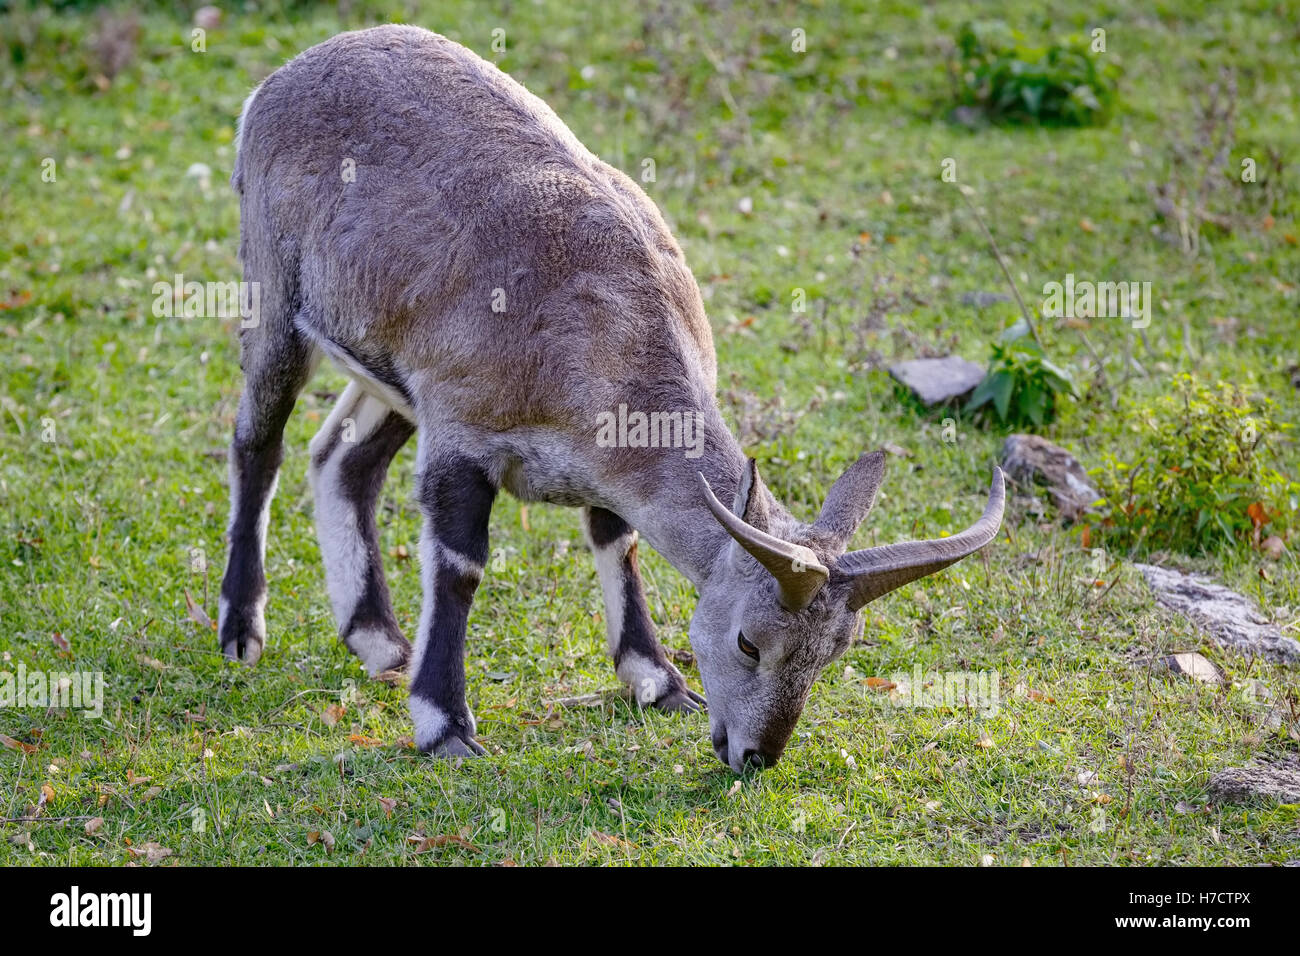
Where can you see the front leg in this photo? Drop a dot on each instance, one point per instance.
(638, 657)
(456, 498)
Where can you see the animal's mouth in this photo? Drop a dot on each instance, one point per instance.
(751, 759)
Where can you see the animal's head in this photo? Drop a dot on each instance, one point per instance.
(783, 602)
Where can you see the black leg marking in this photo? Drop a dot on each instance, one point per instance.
(639, 659)
(456, 497)
(273, 379)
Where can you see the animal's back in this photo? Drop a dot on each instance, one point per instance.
(445, 225)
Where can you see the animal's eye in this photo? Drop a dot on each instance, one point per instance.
(746, 648)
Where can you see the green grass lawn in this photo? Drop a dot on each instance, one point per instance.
(778, 171)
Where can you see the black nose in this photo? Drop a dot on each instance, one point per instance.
(759, 758)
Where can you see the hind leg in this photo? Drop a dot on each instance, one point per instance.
(350, 456)
(277, 363)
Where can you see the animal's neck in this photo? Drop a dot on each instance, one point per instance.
(673, 516)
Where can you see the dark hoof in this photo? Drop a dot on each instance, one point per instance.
(681, 700)
(454, 746)
(242, 640)
(395, 677)
(439, 735)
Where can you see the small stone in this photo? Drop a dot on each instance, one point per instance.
(1193, 665)
(982, 300)
(1031, 459)
(1225, 615)
(208, 17)
(936, 380)
(1277, 780)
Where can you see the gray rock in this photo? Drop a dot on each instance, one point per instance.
(1224, 614)
(1276, 779)
(982, 300)
(1032, 459)
(935, 380)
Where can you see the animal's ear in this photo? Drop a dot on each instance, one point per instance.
(798, 572)
(851, 498)
(749, 503)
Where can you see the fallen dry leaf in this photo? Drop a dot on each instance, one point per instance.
(197, 614)
(152, 852)
(609, 839)
(12, 744)
(333, 714)
(388, 804)
(361, 740)
(323, 837)
(423, 844)
(93, 825)
(880, 684)
(1193, 665)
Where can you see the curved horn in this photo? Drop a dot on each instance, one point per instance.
(799, 575)
(876, 571)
